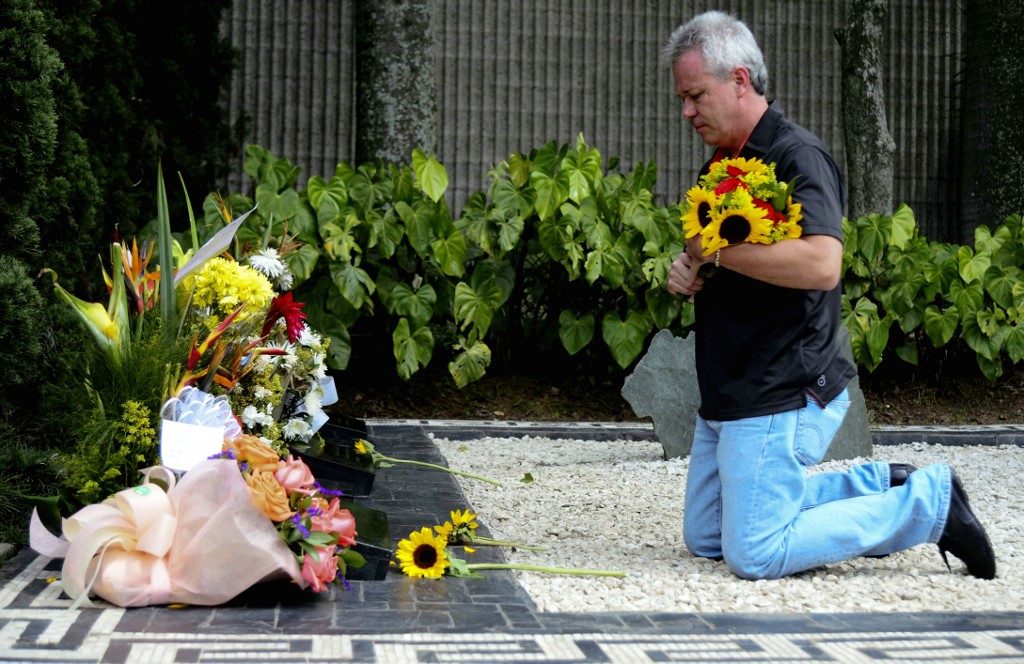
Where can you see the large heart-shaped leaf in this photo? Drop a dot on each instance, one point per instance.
(417, 305)
(470, 364)
(551, 192)
(972, 266)
(450, 252)
(412, 349)
(940, 325)
(625, 338)
(476, 308)
(575, 332)
(430, 174)
(354, 284)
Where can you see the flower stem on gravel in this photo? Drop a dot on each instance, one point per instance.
(541, 568)
(487, 541)
(434, 465)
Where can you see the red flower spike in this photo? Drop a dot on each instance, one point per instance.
(770, 212)
(729, 185)
(284, 307)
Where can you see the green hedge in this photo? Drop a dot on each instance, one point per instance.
(561, 257)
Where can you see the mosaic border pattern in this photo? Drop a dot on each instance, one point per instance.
(36, 625)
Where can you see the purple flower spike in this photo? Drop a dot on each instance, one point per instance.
(297, 520)
(327, 492)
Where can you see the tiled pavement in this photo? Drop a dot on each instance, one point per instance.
(400, 619)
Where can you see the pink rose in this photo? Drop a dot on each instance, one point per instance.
(319, 574)
(334, 519)
(294, 475)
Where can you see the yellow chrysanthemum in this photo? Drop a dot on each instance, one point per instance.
(700, 204)
(224, 284)
(732, 226)
(423, 555)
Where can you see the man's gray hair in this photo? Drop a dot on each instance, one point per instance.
(724, 41)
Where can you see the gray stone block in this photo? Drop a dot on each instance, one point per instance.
(664, 387)
(854, 437)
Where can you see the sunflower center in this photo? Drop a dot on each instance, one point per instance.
(425, 556)
(704, 213)
(735, 228)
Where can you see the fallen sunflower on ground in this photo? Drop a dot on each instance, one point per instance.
(381, 461)
(461, 530)
(426, 555)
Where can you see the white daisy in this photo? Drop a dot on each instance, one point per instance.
(313, 402)
(297, 429)
(268, 262)
(285, 281)
(308, 338)
(249, 415)
(319, 370)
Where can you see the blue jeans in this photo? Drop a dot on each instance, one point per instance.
(749, 498)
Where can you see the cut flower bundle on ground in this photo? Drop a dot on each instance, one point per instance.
(425, 554)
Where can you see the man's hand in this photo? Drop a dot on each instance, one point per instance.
(684, 275)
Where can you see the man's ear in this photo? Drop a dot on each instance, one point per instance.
(741, 79)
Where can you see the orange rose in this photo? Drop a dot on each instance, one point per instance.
(269, 495)
(255, 452)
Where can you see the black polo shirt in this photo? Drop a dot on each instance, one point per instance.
(759, 347)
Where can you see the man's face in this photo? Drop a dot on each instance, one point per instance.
(709, 104)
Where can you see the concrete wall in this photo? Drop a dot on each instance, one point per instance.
(514, 74)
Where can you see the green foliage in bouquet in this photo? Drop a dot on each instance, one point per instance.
(111, 451)
(913, 297)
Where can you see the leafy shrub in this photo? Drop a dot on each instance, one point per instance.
(552, 252)
(904, 294)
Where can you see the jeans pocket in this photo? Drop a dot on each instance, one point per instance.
(818, 426)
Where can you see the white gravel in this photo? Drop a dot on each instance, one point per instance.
(618, 506)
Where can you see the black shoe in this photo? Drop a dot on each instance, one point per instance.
(964, 536)
(899, 472)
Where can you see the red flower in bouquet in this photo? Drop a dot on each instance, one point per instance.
(285, 307)
(294, 475)
(333, 519)
(320, 570)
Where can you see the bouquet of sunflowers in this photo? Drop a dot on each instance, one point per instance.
(741, 200)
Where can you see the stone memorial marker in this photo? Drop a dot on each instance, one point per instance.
(664, 387)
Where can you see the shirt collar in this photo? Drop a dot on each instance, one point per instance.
(761, 138)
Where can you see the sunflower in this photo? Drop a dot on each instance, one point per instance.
(738, 167)
(464, 518)
(734, 225)
(423, 555)
(700, 204)
(789, 228)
